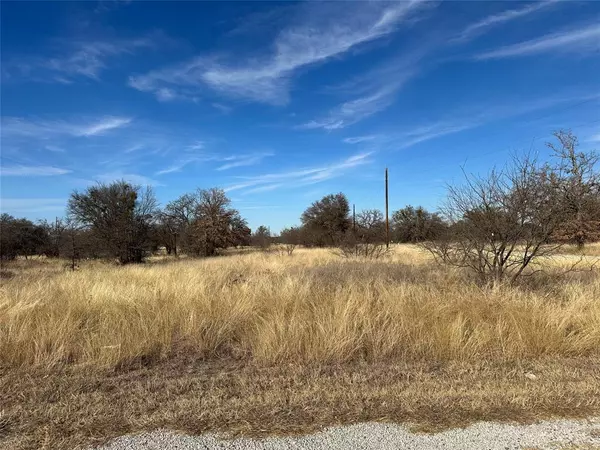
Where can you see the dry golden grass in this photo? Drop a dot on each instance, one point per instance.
(258, 342)
(588, 250)
(311, 307)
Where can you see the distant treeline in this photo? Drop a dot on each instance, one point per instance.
(122, 221)
(485, 223)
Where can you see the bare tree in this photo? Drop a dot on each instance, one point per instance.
(502, 223)
(214, 223)
(53, 231)
(291, 238)
(580, 185)
(71, 244)
(166, 232)
(369, 237)
(178, 216)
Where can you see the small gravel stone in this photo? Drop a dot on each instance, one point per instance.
(483, 435)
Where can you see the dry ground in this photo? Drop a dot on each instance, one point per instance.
(261, 343)
(62, 409)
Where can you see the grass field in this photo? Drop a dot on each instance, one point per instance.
(263, 342)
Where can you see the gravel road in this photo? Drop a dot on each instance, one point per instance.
(562, 434)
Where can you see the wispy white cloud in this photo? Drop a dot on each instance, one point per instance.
(103, 6)
(54, 148)
(225, 109)
(301, 177)
(258, 207)
(44, 129)
(229, 162)
(521, 107)
(261, 21)
(197, 145)
(31, 171)
(134, 147)
(359, 139)
(31, 205)
(131, 177)
(165, 94)
(104, 148)
(326, 30)
(105, 124)
(89, 58)
(178, 165)
(75, 58)
(433, 131)
(353, 111)
(474, 117)
(375, 90)
(495, 20)
(378, 88)
(244, 160)
(264, 188)
(579, 40)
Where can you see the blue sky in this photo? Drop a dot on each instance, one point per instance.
(282, 103)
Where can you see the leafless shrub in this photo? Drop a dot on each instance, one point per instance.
(367, 238)
(72, 245)
(502, 223)
(290, 239)
(362, 250)
(579, 182)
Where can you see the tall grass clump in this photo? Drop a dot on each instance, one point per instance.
(271, 308)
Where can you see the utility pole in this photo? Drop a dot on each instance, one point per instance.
(387, 220)
(57, 237)
(353, 219)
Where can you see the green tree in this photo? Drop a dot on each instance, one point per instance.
(412, 224)
(119, 215)
(21, 237)
(262, 237)
(240, 231)
(326, 221)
